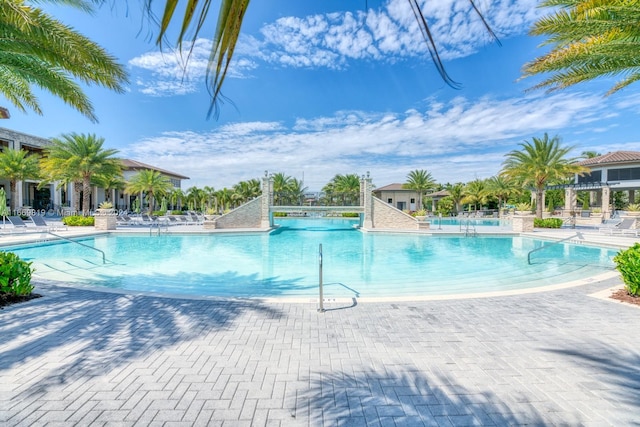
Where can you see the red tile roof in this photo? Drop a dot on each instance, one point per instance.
(134, 164)
(615, 157)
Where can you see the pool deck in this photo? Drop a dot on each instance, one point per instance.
(78, 357)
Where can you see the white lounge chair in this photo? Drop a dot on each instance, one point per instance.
(626, 226)
(40, 223)
(18, 223)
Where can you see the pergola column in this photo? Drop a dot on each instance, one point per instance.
(632, 196)
(570, 199)
(606, 206)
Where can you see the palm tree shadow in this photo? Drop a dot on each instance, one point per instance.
(610, 370)
(105, 330)
(400, 396)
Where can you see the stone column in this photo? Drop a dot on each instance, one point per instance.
(606, 206)
(366, 201)
(570, 199)
(267, 200)
(632, 196)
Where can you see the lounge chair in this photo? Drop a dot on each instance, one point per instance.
(626, 226)
(18, 223)
(40, 223)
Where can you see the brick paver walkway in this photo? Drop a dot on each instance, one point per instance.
(77, 357)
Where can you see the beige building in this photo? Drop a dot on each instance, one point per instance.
(54, 196)
(398, 197)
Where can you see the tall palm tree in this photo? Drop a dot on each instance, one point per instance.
(195, 196)
(227, 31)
(540, 162)
(589, 154)
(501, 188)
(17, 165)
(224, 198)
(151, 182)
(281, 183)
(456, 193)
(420, 180)
(343, 189)
(176, 195)
(589, 39)
(37, 50)
(78, 158)
(476, 193)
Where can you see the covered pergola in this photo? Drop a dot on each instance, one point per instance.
(615, 171)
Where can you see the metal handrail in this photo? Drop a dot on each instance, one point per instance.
(321, 309)
(578, 235)
(104, 258)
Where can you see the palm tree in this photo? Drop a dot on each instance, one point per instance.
(151, 182)
(589, 39)
(281, 183)
(345, 188)
(475, 193)
(421, 181)
(589, 154)
(227, 31)
(17, 165)
(456, 193)
(109, 183)
(175, 198)
(78, 158)
(195, 197)
(224, 198)
(501, 188)
(37, 50)
(538, 163)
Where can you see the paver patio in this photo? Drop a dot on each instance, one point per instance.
(80, 357)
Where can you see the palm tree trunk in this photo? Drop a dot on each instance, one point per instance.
(539, 197)
(86, 192)
(76, 197)
(14, 196)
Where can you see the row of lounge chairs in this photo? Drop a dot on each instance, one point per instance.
(188, 219)
(39, 224)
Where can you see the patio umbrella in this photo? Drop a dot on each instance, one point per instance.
(4, 212)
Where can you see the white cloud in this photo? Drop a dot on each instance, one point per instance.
(331, 40)
(457, 141)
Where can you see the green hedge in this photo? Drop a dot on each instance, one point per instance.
(350, 215)
(628, 264)
(280, 214)
(15, 275)
(77, 220)
(547, 222)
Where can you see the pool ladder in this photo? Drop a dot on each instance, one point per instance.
(159, 225)
(469, 228)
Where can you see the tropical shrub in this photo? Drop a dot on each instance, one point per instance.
(78, 221)
(547, 222)
(105, 205)
(420, 212)
(350, 215)
(15, 275)
(628, 264)
(176, 212)
(158, 213)
(280, 214)
(524, 207)
(633, 207)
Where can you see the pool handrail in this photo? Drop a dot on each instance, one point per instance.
(578, 235)
(104, 258)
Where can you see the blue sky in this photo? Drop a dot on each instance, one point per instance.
(329, 87)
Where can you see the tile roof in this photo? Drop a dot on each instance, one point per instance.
(134, 164)
(615, 157)
(392, 187)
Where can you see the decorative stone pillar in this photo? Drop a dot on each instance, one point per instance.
(522, 223)
(267, 201)
(105, 219)
(366, 201)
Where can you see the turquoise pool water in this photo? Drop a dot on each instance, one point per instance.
(284, 263)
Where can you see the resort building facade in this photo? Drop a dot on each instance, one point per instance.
(32, 194)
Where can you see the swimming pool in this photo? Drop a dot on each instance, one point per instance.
(284, 263)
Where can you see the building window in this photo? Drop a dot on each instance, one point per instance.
(175, 182)
(413, 200)
(626, 174)
(594, 176)
(390, 201)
